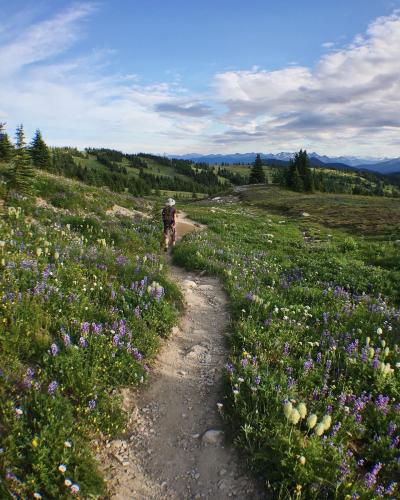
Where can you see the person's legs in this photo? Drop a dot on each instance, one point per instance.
(166, 238)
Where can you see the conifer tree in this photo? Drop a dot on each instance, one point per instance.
(6, 147)
(21, 172)
(39, 151)
(257, 175)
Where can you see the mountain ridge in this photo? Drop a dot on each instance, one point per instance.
(375, 164)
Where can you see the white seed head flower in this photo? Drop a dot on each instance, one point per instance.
(312, 421)
(371, 352)
(302, 410)
(319, 429)
(68, 482)
(38, 252)
(37, 495)
(287, 409)
(302, 460)
(294, 416)
(62, 468)
(327, 421)
(67, 444)
(379, 331)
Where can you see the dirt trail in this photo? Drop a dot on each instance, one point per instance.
(174, 447)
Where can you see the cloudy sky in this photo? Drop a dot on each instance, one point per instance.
(209, 76)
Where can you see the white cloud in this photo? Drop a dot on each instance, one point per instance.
(328, 45)
(74, 103)
(350, 101)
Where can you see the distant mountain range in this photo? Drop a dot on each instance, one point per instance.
(380, 165)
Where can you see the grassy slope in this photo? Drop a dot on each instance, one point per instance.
(307, 314)
(81, 316)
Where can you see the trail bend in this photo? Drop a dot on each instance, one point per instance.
(169, 452)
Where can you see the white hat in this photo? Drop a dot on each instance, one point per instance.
(170, 202)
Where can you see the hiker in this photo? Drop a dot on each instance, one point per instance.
(169, 220)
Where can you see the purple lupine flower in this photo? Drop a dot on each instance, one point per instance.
(53, 349)
(137, 311)
(325, 316)
(392, 428)
(395, 443)
(318, 358)
(308, 365)
(336, 428)
(92, 404)
(375, 363)
(382, 403)
(85, 326)
(97, 328)
(342, 398)
(391, 488)
(380, 491)
(115, 340)
(364, 354)
(244, 362)
(249, 296)
(66, 340)
(229, 368)
(121, 260)
(83, 342)
(352, 347)
(27, 381)
(291, 382)
(286, 349)
(257, 380)
(137, 354)
(328, 365)
(52, 387)
(360, 462)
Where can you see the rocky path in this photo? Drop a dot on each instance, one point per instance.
(174, 447)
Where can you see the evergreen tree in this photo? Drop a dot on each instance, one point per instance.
(39, 151)
(21, 173)
(6, 147)
(257, 175)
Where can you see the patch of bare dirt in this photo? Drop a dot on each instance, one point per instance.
(175, 446)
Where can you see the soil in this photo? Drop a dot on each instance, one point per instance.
(175, 446)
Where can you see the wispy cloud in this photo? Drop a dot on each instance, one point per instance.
(349, 101)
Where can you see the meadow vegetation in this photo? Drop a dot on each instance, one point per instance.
(312, 386)
(84, 300)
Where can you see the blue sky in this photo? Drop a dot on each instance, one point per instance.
(200, 76)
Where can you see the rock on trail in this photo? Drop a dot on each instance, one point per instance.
(174, 447)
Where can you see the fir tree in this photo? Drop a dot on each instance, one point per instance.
(257, 175)
(21, 172)
(6, 148)
(39, 151)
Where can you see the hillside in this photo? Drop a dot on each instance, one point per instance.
(313, 287)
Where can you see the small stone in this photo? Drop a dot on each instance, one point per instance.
(305, 214)
(190, 284)
(205, 287)
(125, 464)
(196, 476)
(213, 436)
(222, 472)
(181, 372)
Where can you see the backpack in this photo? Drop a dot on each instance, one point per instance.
(168, 215)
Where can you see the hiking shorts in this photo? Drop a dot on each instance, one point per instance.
(170, 231)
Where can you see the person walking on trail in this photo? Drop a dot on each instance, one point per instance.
(169, 221)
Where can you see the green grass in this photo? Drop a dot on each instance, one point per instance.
(372, 216)
(85, 300)
(315, 321)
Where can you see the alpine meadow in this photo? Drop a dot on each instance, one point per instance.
(182, 318)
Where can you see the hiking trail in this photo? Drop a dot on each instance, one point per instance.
(174, 447)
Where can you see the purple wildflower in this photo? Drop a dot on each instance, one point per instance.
(52, 387)
(66, 340)
(92, 404)
(54, 349)
(229, 368)
(308, 365)
(245, 362)
(382, 403)
(115, 340)
(85, 327)
(257, 380)
(97, 328)
(286, 349)
(83, 342)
